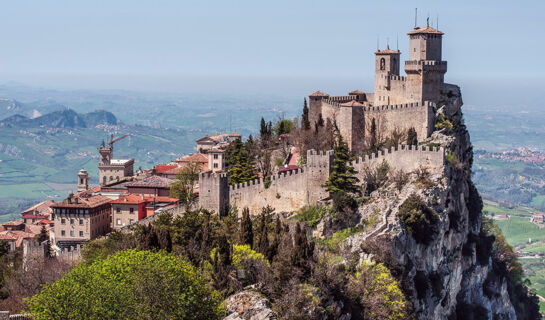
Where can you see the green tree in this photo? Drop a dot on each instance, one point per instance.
(283, 127)
(129, 285)
(412, 138)
(246, 233)
(373, 136)
(239, 163)
(184, 184)
(305, 122)
(342, 177)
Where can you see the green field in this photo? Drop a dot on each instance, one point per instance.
(518, 230)
(535, 271)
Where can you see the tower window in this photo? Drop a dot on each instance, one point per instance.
(382, 64)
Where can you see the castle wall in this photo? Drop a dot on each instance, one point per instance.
(402, 117)
(404, 158)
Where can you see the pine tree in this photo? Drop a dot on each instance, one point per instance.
(246, 233)
(320, 120)
(303, 250)
(263, 129)
(373, 141)
(305, 122)
(263, 245)
(342, 177)
(240, 162)
(412, 138)
(43, 235)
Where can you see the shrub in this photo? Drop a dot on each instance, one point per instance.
(418, 219)
(377, 178)
(442, 123)
(310, 215)
(453, 161)
(342, 202)
(377, 291)
(129, 285)
(400, 178)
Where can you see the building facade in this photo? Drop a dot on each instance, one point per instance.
(111, 170)
(80, 218)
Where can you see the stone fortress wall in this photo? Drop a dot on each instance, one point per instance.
(292, 190)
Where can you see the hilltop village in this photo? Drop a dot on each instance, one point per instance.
(369, 184)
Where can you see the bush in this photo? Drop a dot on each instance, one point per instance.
(443, 123)
(377, 291)
(343, 202)
(310, 215)
(418, 219)
(400, 178)
(129, 285)
(377, 178)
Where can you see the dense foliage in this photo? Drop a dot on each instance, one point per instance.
(343, 176)
(129, 285)
(419, 219)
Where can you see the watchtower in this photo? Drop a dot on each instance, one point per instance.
(106, 154)
(386, 64)
(425, 70)
(83, 180)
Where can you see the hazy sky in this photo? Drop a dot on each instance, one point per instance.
(122, 43)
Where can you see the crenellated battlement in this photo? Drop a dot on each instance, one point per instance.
(399, 107)
(341, 99)
(399, 149)
(398, 78)
(275, 178)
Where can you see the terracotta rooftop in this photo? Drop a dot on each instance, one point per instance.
(318, 94)
(356, 92)
(83, 201)
(215, 150)
(426, 30)
(40, 207)
(13, 223)
(352, 103)
(162, 168)
(129, 199)
(152, 182)
(161, 199)
(287, 168)
(34, 216)
(196, 157)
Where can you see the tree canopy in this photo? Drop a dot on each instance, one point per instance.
(129, 285)
(342, 177)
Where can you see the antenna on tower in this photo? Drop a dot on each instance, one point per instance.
(415, 17)
(377, 42)
(397, 42)
(437, 23)
(388, 42)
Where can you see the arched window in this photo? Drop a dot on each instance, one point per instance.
(382, 64)
(394, 63)
(111, 178)
(104, 180)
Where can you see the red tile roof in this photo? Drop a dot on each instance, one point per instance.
(34, 216)
(40, 207)
(287, 168)
(162, 168)
(318, 94)
(352, 103)
(129, 199)
(426, 29)
(83, 202)
(196, 157)
(387, 51)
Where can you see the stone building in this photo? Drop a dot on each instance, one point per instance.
(80, 218)
(127, 210)
(216, 160)
(110, 169)
(398, 102)
(218, 140)
(151, 186)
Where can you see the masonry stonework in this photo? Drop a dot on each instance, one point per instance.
(292, 190)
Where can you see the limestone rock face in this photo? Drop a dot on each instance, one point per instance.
(444, 276)
(248, 305)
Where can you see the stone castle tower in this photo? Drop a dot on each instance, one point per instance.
(112, 170)
(398, 102)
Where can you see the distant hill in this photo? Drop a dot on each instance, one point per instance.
(67, 118)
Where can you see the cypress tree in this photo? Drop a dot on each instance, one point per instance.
(43, 235)
(412, 138)
(373, 141)
(263, 245)
(246, 229)
(305, 122)
(262, 128)
(342, 177)
(320, 120)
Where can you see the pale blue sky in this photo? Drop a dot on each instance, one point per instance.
(149, 44)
